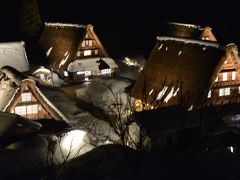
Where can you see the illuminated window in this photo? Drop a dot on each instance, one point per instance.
(224, 91)
(225, 62)
(90, 43)
(32, 109)
(20, 110)
(80, 72)
(87, 52)
(96, 51)
(106, 71)
(42, 77)
(209, 94)
(216, 80)
(65, 73)
(224, 75)
(26, 97)
(233, 75)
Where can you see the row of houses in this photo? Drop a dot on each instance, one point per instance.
(187, 66)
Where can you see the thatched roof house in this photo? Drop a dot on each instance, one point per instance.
(179, 70)
(190, 31)
(12, 126)
(61, 43)
(13, 54)
(35, 99)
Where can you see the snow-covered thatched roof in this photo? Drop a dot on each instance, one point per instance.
(190, 31)
(8, 120)
(91, 64)
(188, 65)
(61, 43)
(56, 102)
(13, 54)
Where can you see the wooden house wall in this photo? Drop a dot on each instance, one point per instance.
(95, 46)
(234, 85)
(42, 113)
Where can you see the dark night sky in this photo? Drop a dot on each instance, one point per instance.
(128, 27)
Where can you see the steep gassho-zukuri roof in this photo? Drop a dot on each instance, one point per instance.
(13, 54)
(90, 64)
(179, 65)
(58, 101)
(8, 120)
(190, 31)
(61, 43)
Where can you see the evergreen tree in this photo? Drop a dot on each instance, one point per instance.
(30, 19)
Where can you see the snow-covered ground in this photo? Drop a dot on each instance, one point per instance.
(129, 67)
(102, 93)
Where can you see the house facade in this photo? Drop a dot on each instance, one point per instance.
(92, 60)
(75, 52)
(226, 87)
(28, 101)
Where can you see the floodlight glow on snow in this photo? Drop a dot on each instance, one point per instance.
(73, 140)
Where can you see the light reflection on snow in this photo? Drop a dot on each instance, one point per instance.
(73, 140)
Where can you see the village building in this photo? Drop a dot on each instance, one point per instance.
(176, 73)
(226, 87)
(13, 126)
(199, 45)
(13, 54)
(75, 52)
(34, 99)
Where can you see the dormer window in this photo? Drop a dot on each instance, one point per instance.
(26, 97)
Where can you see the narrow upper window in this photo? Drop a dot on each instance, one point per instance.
(26, 96)
(233, 75)
(224, 75)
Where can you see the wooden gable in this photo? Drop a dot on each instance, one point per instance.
(229, 66)
(91, 45)
(227, 84)
(207, 34)
(28, 102)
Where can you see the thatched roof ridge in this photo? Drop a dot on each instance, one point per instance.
(63, 25)
(186, 25)
(190, 31)
(189, 41)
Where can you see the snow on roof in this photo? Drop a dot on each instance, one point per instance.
(189, 41)
(54, 101)
(90, 64)
(99, 92)
(62, 25)
(186, 25)
(8, 120)
(42, 69)
(75, 116)
(13, 54)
